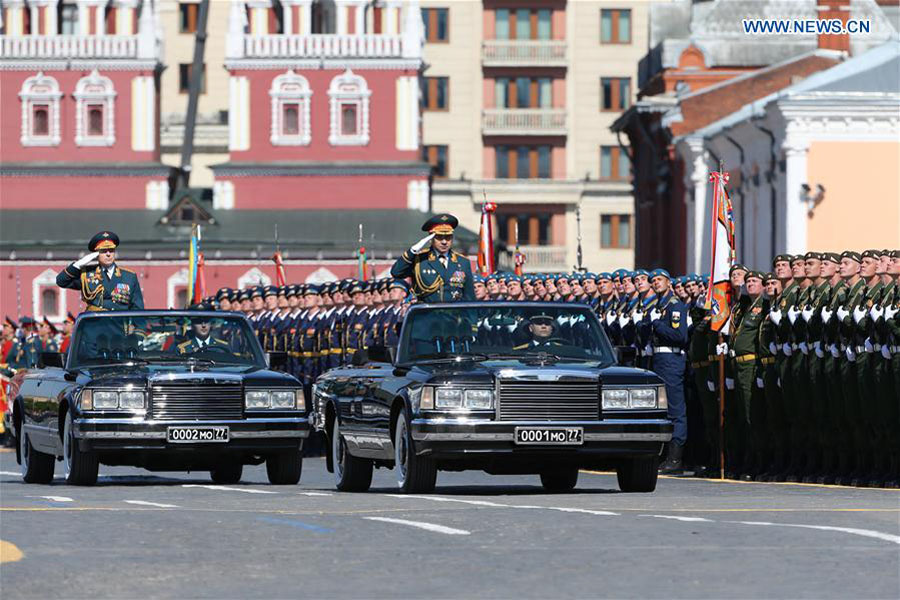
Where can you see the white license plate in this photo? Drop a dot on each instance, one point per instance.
(197, 435)
(550, 436)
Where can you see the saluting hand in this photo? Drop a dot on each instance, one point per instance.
(418, 246)
(86, 260)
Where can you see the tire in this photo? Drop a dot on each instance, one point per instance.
(638, 474)
(80, 467)
(284, 468)
(227, 472)
(560, 480)
(37, 467)
(415, 474)
(351, 473)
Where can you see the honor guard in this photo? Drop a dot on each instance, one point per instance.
(67, 326)
(438, 273)
(105, 286)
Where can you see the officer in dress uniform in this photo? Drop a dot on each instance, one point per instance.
(67, 325)
(438, 273)
(200, 338)
(106, 286)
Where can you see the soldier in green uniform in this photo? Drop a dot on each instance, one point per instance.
(782, 333)
(701, 353)
(892, 335)
(438, 273)
(826, 340)
(776, 432)
(106, 286)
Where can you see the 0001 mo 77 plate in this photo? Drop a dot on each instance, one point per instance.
(193, 435)
(553, 436)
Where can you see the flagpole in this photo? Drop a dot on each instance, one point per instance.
(717, 199)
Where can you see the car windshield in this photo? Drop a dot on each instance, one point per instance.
(165, 338)
(500, 331)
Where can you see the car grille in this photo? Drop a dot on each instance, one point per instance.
(190, 401)
(549, 400)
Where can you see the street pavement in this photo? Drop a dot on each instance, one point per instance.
(141, 535)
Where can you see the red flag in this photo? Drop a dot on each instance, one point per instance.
(718, 294)
(486, 240)
(280, 279)
(200, 282)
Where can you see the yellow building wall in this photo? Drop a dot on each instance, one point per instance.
(861, 209)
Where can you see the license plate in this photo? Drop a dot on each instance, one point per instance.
(197, 435)
(550, 436)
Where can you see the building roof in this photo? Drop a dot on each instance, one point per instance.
(236, 233)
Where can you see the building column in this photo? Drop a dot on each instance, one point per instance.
(796, 150)
(390, 24)
(125, 16)
(297, 17)
(237, 28)
(259, 16)
(14, 17)
(697, 178)
(91, 17)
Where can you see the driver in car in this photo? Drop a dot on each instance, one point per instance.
(199, 339)
(541, 329)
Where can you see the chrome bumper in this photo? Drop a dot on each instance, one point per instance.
(470, 430)
(145, 429)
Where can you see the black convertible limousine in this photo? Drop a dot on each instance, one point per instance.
(504, 387)
(161, 390)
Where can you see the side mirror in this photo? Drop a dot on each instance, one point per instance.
(51, 359)
(626, 355)
(277, 360)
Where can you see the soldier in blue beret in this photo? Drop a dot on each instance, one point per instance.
(438, 273)
(105, 286)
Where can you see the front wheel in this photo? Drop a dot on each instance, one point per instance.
(415, 474)
(560, 480)
(284, 468)
(638, 474)
(227, 472)
(351, 473)
(81, 467)
(37, 467)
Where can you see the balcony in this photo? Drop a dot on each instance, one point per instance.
(323, 46)
(523, 121)
(538, 259)
(70, 46)
(523, 53)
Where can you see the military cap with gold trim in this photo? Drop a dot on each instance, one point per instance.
(782, 258)
(755, 275)
(737, 267)
(103, 241)
(852, 255)
(52, 327)
(442, 224)
(871, 254)
(831, 257)
(812, 256)
(11, 323)
(895, 254)
(770, 277)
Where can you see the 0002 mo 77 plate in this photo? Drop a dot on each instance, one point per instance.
(553, 436)
(194, 435)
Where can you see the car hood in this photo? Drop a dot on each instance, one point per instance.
(485, 372)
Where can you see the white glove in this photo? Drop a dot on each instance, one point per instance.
(775, 316)
(807, 314)
(786, 348)
(418, 246)
(773, 349)
(868, 345)
(86, 260)
(610, 318)
(803, 348)
(876, 312)
(834, 350)
(890, 312)
(690, 321)
(722, 349)
(886, 351)
(819, 352)
(759, 382)
(624, 320)
(637, 316)
(793, 313)
(851, 354)
(842, 313)
(648, 350)
(654, 315)
(826, 314)
(710, 385)
(729, 383)
(859, 313)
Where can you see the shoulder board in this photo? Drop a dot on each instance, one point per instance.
(220, 341)
(184, 345)
(126, 270)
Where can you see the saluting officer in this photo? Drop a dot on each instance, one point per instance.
(107, 286)
(438, 273)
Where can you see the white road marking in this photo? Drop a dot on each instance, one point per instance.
(10, 473)
(422, 525)
(145, 503)
(312, 494)
(685, 519)
(53, 498)
(586, 511)
(226, 488)
(851, 530)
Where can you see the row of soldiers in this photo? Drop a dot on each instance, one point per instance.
(21, 343)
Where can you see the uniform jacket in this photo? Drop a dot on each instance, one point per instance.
(99, 291)
(431, 282)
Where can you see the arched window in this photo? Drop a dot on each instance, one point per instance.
(349, 96)
(49, 302)
(40, 97)
(94, 111)
(46, 298)
(291, 96)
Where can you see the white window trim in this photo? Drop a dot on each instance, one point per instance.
(47, 279)
(290, 88)
(29, 98)
(253, 277)
(348, 88)
(320, 275)
(84, 95)
(176, 280)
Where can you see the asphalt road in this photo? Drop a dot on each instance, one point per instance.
(141, 535)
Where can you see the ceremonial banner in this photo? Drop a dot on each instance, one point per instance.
(722, 256)
(518, 257)
(196, 281)
(486, 240)
(280, 279)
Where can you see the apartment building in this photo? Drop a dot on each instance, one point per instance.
(518, 99)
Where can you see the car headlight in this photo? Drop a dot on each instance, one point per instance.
(479, 399)
(106, 400)
(257, 399)
(448, 398)
(643, 398)
(131, 400)
(283, 399)
(613, 399)
(634, 398)
(87, 400)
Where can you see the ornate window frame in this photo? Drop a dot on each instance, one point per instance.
(290, 88)
(90, 90)
(349, 88)
(37, 90)
(47, 280)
